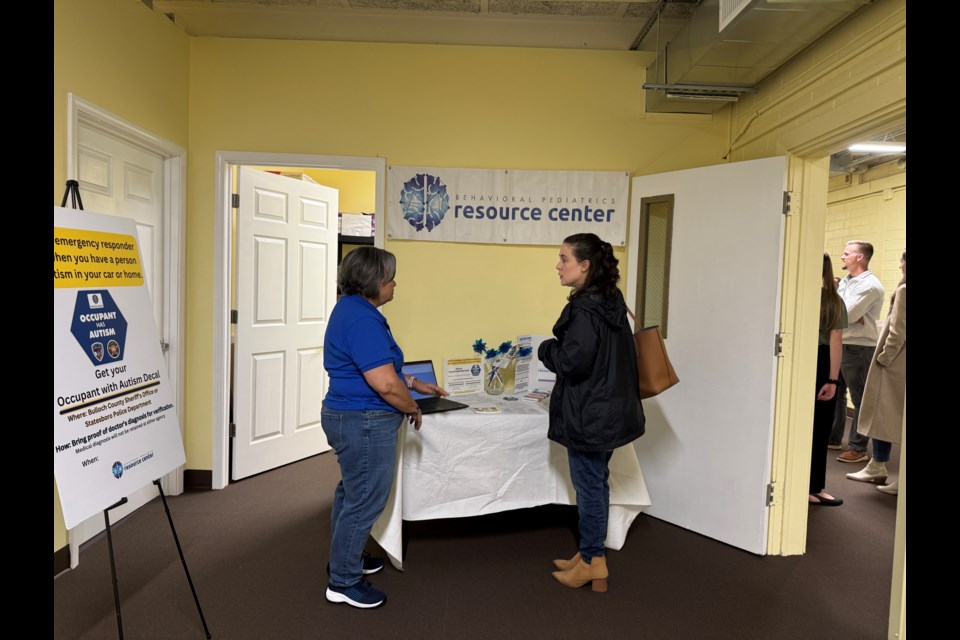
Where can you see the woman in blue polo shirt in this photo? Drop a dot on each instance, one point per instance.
(365, 404)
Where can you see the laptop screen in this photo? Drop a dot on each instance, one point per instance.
(422, 370)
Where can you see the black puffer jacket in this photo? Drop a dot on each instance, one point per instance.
(595, 404)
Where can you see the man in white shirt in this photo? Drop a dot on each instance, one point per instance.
(862, 294)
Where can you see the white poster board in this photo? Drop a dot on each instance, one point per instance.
(115, 427)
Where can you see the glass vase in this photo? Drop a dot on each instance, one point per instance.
(499, 380)
(492, 379)
(508, 375)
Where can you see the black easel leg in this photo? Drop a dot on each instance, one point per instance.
(73, 190)
(113, 565)
(182, 559)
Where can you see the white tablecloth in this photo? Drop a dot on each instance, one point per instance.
(463, 464)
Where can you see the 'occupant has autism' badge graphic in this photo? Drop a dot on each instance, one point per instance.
(99, 327)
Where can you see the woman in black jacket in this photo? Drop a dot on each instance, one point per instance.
(595, 406)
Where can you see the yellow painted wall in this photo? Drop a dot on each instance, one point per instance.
(358, 189)
(850, 84)
(469, 107)
(123, 57)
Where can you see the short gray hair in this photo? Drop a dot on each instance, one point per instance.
(364, 269)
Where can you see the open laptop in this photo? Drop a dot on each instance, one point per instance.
(423, 370)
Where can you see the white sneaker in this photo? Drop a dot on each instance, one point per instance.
(874, 472)
(889, 488)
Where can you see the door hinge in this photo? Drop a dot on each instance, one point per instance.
(233, 430)
(235, 200)
(773, 494)
(782, 345)
(234, 316)
(786, 203)
(164, 346)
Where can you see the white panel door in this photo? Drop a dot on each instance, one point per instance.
(706, 454)
(120, 178)
(286, 288)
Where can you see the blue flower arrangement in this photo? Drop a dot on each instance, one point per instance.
(498, 358)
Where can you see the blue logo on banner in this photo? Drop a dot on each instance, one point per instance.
(117, 469)
(424, 201)
(475, 370)
(99, 327)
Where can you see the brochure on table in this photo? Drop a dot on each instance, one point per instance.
(531, 374)
(484, 403)
(463, 376)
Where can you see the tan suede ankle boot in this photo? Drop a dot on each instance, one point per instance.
(595, 573)
(566, 565)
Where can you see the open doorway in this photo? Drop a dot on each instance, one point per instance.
(359, 180)
(286, 246)
(866, 201)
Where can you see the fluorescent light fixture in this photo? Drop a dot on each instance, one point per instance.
(701, 97)
(722, 93)
(879, 147)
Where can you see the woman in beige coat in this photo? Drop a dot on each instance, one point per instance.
(884, 395)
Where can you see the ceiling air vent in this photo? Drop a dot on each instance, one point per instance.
(730, 9)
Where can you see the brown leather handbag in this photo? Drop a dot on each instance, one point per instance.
(653, 363)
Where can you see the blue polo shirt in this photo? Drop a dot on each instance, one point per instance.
(358, 339)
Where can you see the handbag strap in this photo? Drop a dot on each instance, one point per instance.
(635, 324)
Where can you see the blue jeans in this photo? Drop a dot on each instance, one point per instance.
(366, 447)
(881, 450)
(589, 473)
(855, 366)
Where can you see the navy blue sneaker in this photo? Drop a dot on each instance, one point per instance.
(371, 565)
(361, 595)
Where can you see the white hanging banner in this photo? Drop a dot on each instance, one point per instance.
(504, 206)
(115, 428)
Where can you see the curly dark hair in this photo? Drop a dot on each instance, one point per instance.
(603, 274)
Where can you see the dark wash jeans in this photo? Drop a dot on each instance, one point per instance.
(855, 365)
(590, 473)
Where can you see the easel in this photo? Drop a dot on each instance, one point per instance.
(73, 190)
